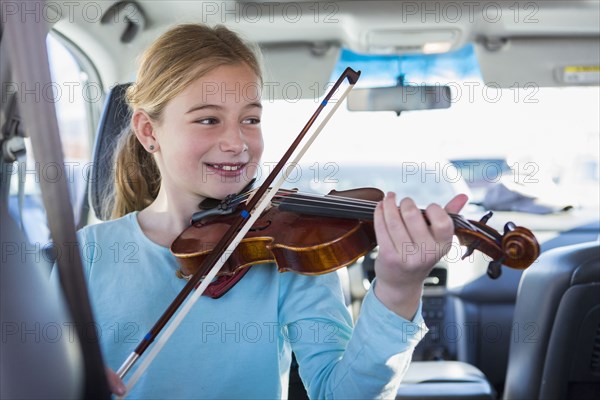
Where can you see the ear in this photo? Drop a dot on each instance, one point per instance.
(144, 130)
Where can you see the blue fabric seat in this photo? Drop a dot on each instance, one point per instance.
(115, 118)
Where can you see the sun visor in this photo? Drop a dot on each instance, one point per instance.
(295, 71)
(543, 62)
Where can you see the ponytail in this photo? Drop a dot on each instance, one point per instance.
(137, 178)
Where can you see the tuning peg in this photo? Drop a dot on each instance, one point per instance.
(495, 268)
(486, 217)
(509, 227)
(469, 251)
(471, 248)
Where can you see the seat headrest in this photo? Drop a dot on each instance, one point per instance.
(115, 118)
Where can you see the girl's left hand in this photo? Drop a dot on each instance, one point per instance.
(409, 248)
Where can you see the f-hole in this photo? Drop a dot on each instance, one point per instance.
(264, 226)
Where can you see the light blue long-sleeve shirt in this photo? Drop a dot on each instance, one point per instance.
(239, 346)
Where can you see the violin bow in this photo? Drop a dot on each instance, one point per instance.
(234, 235)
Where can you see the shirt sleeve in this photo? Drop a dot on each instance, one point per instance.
(337, 361)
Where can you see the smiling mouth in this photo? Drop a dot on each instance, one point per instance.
(227, 167)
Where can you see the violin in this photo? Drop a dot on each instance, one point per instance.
(311, 234)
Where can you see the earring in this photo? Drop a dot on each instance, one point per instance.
(151, 147)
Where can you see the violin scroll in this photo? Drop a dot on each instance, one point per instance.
(516, 248)
(520, 247)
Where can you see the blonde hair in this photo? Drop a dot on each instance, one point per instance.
(176, 59)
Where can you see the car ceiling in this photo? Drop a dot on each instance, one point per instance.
(515, 42)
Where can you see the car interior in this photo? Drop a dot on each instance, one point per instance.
(497, 99)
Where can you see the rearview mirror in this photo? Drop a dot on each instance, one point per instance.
(400, 98)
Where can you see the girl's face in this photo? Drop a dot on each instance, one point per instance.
(210, 139)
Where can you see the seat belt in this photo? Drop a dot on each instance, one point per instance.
(25, 37)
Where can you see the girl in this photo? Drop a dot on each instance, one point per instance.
(196, 133)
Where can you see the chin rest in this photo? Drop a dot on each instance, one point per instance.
(444, 380)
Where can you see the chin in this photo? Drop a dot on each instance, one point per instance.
(224, 190)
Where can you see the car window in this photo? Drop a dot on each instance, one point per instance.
(419, 180)
(74, 98)
(516, 133)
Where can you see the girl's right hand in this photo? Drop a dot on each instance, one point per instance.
(115, 383)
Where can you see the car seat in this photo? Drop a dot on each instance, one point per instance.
(555, 342)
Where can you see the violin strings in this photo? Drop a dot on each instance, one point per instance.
(366, 208)
(367, 205)
(363, 209)
(356, 205)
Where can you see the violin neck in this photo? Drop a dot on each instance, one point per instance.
(343, 207)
